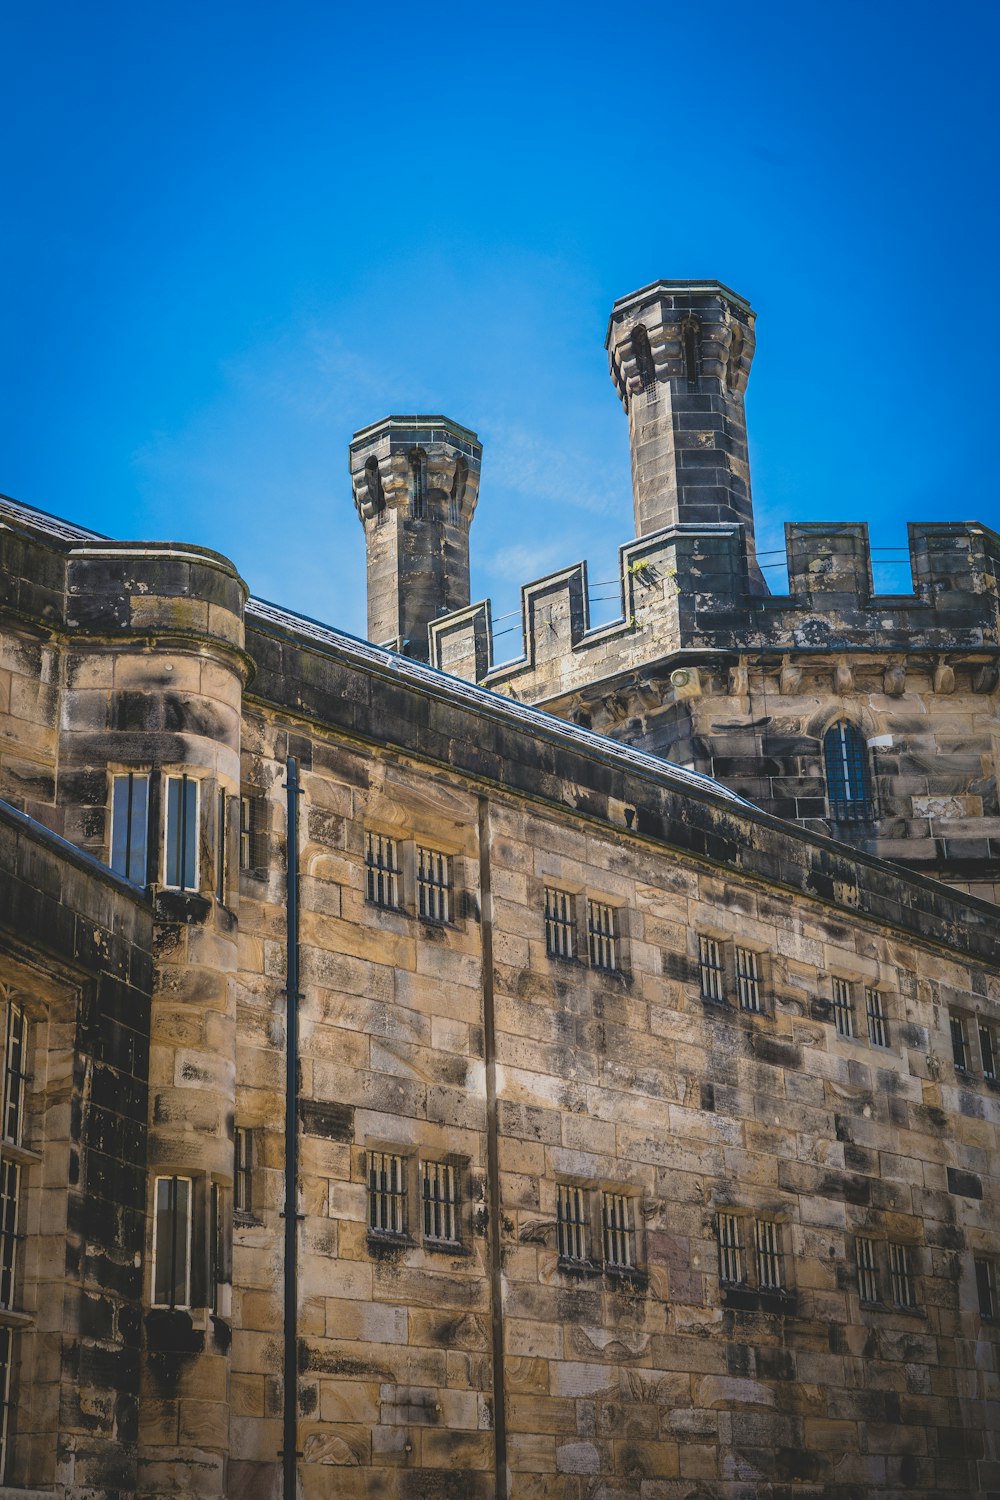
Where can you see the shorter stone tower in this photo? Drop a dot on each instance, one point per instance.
(680, 355)
(416, 481)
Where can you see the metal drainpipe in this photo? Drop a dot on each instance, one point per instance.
(289, 1453)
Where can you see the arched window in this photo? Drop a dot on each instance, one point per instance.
(689, 336)
(848, 778)
(376, 494)
(457, 491)
(644, 363)
(418, 484)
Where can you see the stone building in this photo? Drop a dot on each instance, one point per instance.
(642, 1141)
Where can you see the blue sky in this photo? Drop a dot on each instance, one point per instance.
(234, 233)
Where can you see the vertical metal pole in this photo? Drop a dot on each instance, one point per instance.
(289, 1453)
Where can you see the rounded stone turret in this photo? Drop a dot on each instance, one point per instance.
(416, 482)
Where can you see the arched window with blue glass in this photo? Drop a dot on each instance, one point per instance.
(848, 774)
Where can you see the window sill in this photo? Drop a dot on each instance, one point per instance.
(751, 1299)
(578, 1267)
(11, 1318)
(627, 1275)
(20, 1154)
(892, 1307)
(380, 1241)
(444, 1247)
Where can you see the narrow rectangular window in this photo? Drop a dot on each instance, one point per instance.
(181, 843)
(253, 834)
(386, 1193)
(129, 826)
(560, 924)
(10, 1182)
(6, 1404)
(731, 1272)
(15, 1074)
(215, 1247)
(959, 1043)
(381, 871)
(748, 979)
(602, 935)
(433, 885)
(770, 1271)
(619, 1252)
(439, 1191)
(875, 1011)
(986, 1286)
(222, 805)
(571, 1222)
(988, 1051)
(242, 1170)
(867, 1268)
(901, 1276)
(843, 1008)
(172, 1242)
(710, 969)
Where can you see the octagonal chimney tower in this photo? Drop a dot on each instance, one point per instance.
(680, 355)
(416, 482)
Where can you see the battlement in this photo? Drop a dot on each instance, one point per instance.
(684, 589)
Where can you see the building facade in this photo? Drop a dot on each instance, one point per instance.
(642, 1142)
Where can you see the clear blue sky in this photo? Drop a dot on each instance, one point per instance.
(233, 233)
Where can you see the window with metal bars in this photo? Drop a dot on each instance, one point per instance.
(770, 1261)
(172, 1242)
(645, 368)
(180, 845)
(418, 484)
(867, 1253)
(619, 1233)
(386, 1193)
(988, 1051)
(15, 1074)
(433, 885)
(381, 871)
(878, 1033)
(901, 1276)
(253, 834)
(572, 1214)
(6, 1404)
(602, 935)
(439, 1194)
(130, 826)
(959, 1041)
(748, 980)
(689, 337)
(457, 496)
(376, 493)
(848, 778)
(710, 968)
(986, 1287)
(560, 923)
(731, 1268)
(843, 1007)
(242, 1170)
(10, 1183)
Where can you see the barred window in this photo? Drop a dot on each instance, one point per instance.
(901, 1276)
(172, 1242)
(129, 826)
(571, 1222)
(748, 979)
(418, 483)
(433, 885)
(689, 334)
(376, 493)
(710, 968)
(644, 363)
(848, 780)
(959, 1041)
(386, 1193)
(439, 1191)
(875, 1011)
(986, 1286)
(10, 1182)
(6, 1405)
(382, 871)
(731, 1271)
(602, 935)
(15, 1074)
(253, 834)
(619, 1235)
(180, 863)
(988, 1051)
(867, 1268)
(242, 1170)
(770, 1269)
(560, 924)
(843, 1007)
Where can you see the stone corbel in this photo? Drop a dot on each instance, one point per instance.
(686, 682)
(843, 677)
(739, 680)
(986, 678)
(894, 678)
(790, 677)
(944, 676)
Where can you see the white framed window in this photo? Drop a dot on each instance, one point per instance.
(180, 841)
(959, 1040)
(7, 1351)
(172, 1223)
(15, 1074)
(843, 1007)
(986, 1287)
(382, 871)
(10, 1205)
(988, 1050)
(572, 1226)
(440, 1200)
(867, 1253)
(711, 971)
(602, 934)
(386, 1193)
(560, 923)
(130, 825)
(433, 885)
(242, 1170)
(748, 980)
(901, 1276)
(878, 1033)
(619, 1232)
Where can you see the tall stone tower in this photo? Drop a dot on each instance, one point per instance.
(680, 355)
(416, 481)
